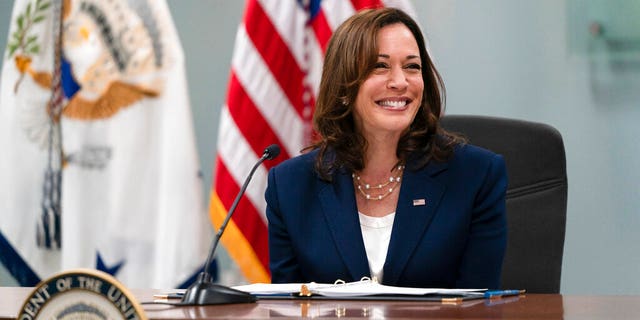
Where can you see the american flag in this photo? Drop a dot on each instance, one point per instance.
(275, 73)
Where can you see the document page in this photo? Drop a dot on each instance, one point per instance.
(279, 288)
(349, 289)
(366, 288)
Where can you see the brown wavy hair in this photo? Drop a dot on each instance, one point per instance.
(351, 56)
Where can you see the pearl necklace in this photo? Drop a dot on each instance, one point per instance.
(366, 188)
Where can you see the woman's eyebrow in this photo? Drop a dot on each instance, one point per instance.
(411, 56)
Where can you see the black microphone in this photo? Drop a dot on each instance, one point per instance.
(203, 291)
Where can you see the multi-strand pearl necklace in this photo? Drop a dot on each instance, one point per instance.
(383, 189)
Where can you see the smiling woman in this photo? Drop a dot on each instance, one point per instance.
(385, 192)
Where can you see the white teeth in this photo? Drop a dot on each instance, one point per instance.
(393, 104)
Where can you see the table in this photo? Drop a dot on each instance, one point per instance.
(530, 306)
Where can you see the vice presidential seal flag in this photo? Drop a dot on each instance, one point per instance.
(275, 74)
(99, 167)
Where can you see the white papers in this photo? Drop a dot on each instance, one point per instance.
(281, 288)
(366, 288)
(350, 289)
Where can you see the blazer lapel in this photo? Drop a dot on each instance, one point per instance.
(419, 197)
(340, 210)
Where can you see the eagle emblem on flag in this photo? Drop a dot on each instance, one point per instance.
(111, 56)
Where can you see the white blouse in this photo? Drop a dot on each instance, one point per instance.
(376, 233)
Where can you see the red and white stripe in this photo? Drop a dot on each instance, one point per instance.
(275, 73)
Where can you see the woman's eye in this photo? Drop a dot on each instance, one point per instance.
(381, 65)
(414, 66)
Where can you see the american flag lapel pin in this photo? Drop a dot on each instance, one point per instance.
(419, 202)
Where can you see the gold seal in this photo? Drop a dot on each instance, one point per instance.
(81, 294)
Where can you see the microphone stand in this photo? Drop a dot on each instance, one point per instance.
(203, 291)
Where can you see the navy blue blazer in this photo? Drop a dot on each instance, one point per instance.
(457, 239)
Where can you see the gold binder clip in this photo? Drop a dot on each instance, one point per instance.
(304, 291)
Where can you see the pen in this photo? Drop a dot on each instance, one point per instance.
(502, 293)
(176, 295)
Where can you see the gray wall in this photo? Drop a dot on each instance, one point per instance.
(498, 57)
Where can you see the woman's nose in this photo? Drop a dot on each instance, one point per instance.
(397, 79)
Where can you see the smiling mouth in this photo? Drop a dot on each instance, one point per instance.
(393, 104)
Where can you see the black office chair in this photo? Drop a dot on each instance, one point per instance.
(536, 195)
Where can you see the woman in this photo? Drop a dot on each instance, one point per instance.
(386, 192)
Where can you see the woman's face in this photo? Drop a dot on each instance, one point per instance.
(390, 97)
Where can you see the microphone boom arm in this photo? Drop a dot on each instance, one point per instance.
(203, 291)
(223, 226)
